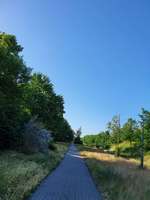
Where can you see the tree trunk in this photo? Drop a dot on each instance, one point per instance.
(142, 150)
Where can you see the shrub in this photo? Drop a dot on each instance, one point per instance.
(52, 146)
(35, 138)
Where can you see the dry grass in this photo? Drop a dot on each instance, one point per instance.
(119, 178)
(21, 173)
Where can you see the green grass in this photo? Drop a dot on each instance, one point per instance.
(21, 173)
(126, 149)
(123, 145)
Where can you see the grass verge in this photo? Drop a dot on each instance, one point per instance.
(21, 173)
(118, 178)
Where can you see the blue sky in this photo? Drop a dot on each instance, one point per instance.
(97, 53)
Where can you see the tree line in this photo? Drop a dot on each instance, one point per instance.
(130, 139)
(24, 95)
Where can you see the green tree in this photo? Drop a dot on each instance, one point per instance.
(23, 96)
(64, 131)
(129, 131)
(89, 140)
(145, 125)
(103, 140)
(41, 101)
(115, 130)
(13, 76)
(77, 139)
(145, 133)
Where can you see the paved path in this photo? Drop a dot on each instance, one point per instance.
(70, 181)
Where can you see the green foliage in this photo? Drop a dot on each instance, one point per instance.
(102, 140)
(41, 100)
(51, 145)
(13, 76)
(23, 96)
(145, 127)
(114, 129)
(126, 149)
(125, 140)
(77, 136)
(64, 133)
(89, 140)
(129, 130)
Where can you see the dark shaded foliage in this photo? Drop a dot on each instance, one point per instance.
(77, 136)
(13, 76)
(24, 95)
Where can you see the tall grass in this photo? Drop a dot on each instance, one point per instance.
(119, 178)
(21, 173)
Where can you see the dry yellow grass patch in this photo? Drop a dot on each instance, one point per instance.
(119, 178)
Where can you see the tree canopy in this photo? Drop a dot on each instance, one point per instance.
(24, 95)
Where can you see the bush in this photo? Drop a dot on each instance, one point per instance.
(78, 140)
(35, 138)
(126, 149)
(52, 146)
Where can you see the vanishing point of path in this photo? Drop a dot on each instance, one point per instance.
(70, 181)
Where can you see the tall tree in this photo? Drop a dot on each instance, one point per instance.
(13, 76)
(64, 131)
(105, 140)
(77, 139)
(145, 135)
(42, 101)
(115, 130)
(129, 131)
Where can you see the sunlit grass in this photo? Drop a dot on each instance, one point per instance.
(21, 173)
(119, 178)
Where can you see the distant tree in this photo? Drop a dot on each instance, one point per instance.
(89, 140)
(103, 140)
(145, 133)
(77, 139)
(129, 131)
(115, 131)
(145, 124)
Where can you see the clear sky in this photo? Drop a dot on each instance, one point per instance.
(96, 52)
